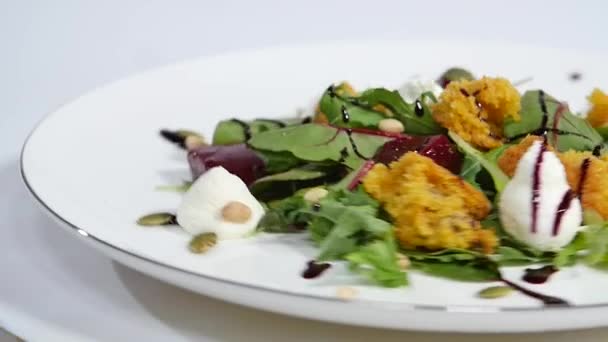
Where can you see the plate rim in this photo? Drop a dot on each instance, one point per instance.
(469, 309)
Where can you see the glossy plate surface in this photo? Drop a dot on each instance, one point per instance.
(94, 165)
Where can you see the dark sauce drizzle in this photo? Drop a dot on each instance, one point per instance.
(597, 150)
(564, 205)
(539, 275)
(583, 177)
(547, 300)
(536, 186)
(279, 123)
(418, 109)
(245, 126)
(343, 155)
(345, 115)
(349, 132)
(314, 269)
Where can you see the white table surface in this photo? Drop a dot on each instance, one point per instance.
(55, 288)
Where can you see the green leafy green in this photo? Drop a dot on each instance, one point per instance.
(317, 143)
(569, 255)
(444, 256)
(474, 271)
(403, 111)
(284, 216)
(229, 132)
(342, 221)
(276, 162)
(378, 262)
(470, 169)
(603, 132)
(579, 135)
(333, 102)
(596, 243)
(489, 164)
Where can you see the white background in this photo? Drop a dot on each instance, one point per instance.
(52, 51)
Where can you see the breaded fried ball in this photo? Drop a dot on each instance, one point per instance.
(598, 115)
(431, 207)
(476, 110)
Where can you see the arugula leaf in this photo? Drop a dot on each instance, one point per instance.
(284, 216)
(489, 164)
(316, 143)
(333, 102)
(569, 255)
(378, 262)
(603, 132)
(447, 255)
(403, 111)
(230, 132)
(276, 162)
(469, 171)
(596, 241)
(581, 136)
(293, 174)
(475, 271)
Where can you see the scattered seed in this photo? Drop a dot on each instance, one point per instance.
(202, 243)
(391, 126)
(314, 195)
(493, 292)
(192, 142)
(236, 212)
(403, 261)
(346, 293)
(157, 219)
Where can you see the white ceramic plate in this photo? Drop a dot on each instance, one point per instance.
(94, 165)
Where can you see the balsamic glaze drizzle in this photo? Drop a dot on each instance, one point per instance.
(418, 109)
(245, 126)
(539, 275)
(597, 150)
(314, 269)
(564, 205)
(349, 132)
(345, 115)
(536, 186)
(583, 177)
(279, 123)
(343, 155)
(547, 300)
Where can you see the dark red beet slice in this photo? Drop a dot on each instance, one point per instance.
(437, 147)
(394, 149)
(443, 152)
(236, 159)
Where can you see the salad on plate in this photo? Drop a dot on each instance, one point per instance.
(458, 177)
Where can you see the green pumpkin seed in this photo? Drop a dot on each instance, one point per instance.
(495, 292)
(157, 219)
(202, 243)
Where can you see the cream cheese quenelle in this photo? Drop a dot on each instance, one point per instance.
(219, 202)
(537, 206)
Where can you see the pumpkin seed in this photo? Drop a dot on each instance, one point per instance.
(157, 219)
(495, 292)
(202, 243)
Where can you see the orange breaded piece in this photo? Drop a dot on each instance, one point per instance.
(593, 194)
(476, 110)
(511, 156)
(593, 191)
(598, 115)
(431, 207)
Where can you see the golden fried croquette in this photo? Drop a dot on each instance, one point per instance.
(431, 207)
(598, 115)
(594, 190)
(475, 110)
(511, 156)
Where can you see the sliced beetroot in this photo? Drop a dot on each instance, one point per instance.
(236, 159)
(394, 149)
(437, 147)
(443, 152)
